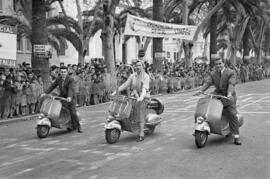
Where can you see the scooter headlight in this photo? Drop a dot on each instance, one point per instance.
(40, 116)
(200, 119)
(110, 118)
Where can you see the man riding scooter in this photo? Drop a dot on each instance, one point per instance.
(66, 88)
(224, 81)
(139, 82)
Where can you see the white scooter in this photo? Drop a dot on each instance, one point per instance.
(121, 117)
(209, 118)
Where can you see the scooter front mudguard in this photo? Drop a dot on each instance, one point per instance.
(202, 127)
(113, 125)
(152, 119)
(44, 122)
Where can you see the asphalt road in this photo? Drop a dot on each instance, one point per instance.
(169, 153)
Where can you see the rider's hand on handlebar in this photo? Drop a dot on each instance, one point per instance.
(198, 93)
(42, 95)
(230, 96)
(69, 99)
(114, 93)
(140, 98)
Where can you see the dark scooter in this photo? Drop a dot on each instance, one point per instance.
(53, 114)
(210, 118)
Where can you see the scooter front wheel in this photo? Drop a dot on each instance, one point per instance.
(201, 138)
(42, 131)
(112, 135)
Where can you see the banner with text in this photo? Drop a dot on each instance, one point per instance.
(143, 27)
(8, 45)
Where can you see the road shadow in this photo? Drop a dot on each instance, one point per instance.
(214, 141)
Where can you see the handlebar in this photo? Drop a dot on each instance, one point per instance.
(128, 97)
(55, 97)
(215, 95)
(116, 96)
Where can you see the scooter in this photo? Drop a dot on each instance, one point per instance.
(53, 114)
(122, 118)
(209, 118)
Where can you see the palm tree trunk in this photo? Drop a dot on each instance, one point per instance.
(267, 40)
(157, 42)
(213, 33)
(124, 53)
(80, 54)
(187, 47)
(107, 36)
(62, 7)
(40, 65)
(246, 47)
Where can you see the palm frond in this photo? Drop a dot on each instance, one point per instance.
(66, 21)
(72, 37)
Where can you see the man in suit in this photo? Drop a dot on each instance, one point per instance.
(67, 90)
(224, 80)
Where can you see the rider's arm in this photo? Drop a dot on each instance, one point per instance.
(52, 86)
(126, 84)
(207, 84)
(145, 86)
(71, 88)
(232, 81)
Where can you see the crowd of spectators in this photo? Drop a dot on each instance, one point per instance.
(20, 88)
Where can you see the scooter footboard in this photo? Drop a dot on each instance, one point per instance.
(44, 122)
(113, 125)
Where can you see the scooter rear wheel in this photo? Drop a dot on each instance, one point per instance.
(42, 131)
(201, 138)
(112, 135)
(150, 131)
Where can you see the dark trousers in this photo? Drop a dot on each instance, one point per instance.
(73, 114)
(231, 112)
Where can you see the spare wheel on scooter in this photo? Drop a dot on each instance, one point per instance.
(157, 105)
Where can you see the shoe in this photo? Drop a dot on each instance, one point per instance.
(80, 130)
(237, 141)
(141, 138)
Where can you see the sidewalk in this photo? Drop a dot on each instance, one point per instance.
(34, 116)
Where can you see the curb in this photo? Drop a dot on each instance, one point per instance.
(31, 117)
(17, 119)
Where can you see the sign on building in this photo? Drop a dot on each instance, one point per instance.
(8, 46)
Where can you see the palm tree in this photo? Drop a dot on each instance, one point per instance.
(103, 17)
(40, 36)
(243, 13)
(58, 29)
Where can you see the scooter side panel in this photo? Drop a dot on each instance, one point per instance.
(51, 108)
(64, 119)
(209, 108)
(220, 127)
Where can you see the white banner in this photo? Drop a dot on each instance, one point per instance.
(8, 45)
(143, 27)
